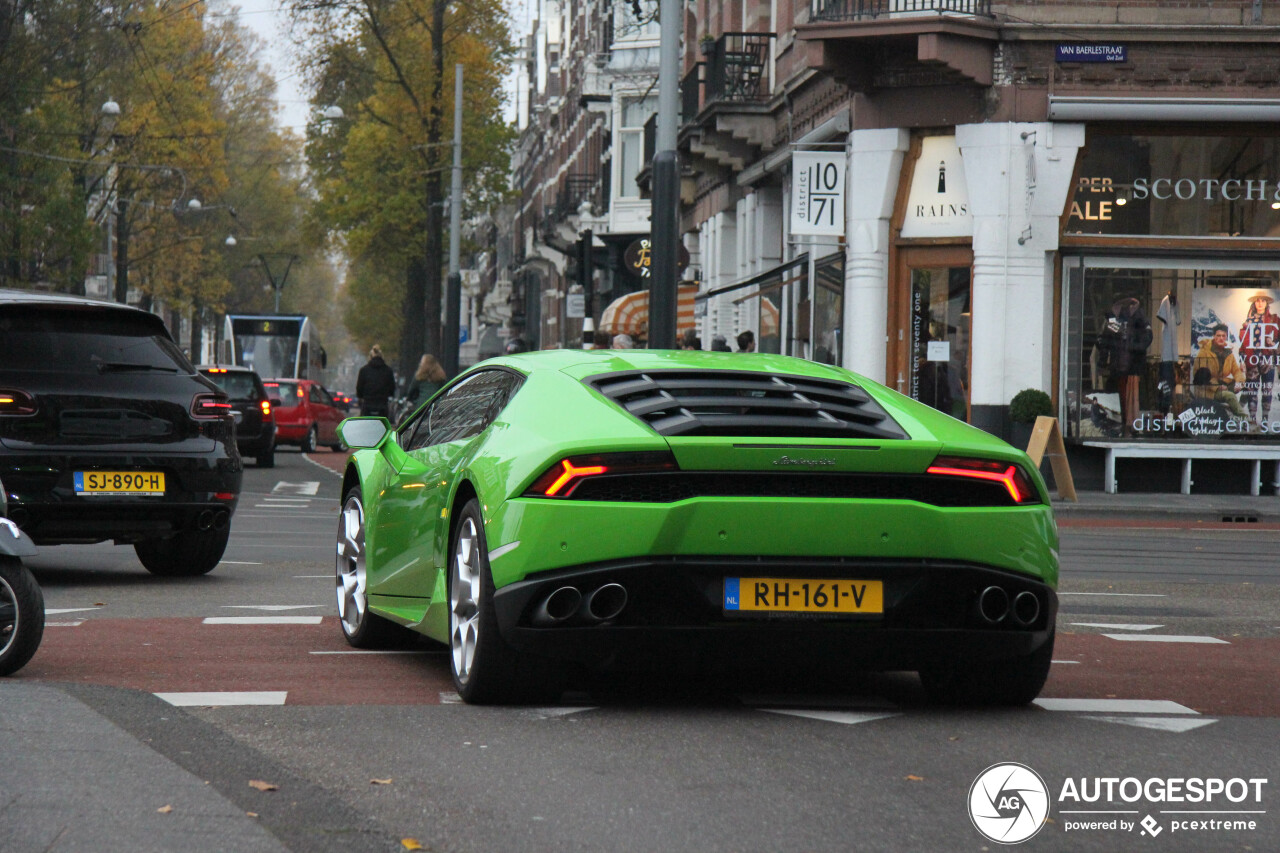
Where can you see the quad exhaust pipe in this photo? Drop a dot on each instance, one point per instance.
(994, 606)
(567, 603)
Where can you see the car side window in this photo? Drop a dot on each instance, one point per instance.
(313, 394)
(465, 409)
(322, 396)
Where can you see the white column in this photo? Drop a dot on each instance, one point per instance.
(1019, 176)
(875, 164)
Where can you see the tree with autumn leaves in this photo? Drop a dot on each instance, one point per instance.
(193, 119)
(382, 174)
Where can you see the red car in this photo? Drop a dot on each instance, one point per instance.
(305, 414)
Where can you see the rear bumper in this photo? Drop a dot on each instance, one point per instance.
(44, 503)
(675, 614)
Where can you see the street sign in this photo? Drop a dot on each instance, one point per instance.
(575, 305)
(818, 193)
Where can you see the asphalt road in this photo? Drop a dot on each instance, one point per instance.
(1166, 665)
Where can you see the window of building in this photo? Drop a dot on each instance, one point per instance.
(633, 115)
(1171, 348)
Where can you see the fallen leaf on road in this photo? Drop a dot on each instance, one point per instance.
(251, 814)
(99, 604)
(379, 781)
(165, 809)
(410, 844)
(263, 786)
(915, 778)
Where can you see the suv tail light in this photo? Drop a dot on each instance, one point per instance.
(562, 478)
(16, 403)
(209, 406)
(1008, 474)
(266, 408)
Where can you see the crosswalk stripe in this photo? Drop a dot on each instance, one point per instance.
(1165, 638)
(1115, 706)
(222, 698)
(1163, 724)
(262, 620)
(848, 718)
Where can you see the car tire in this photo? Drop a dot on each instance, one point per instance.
(362, 629)
(185, 554)
(339, 447)
(311, 439)
(485, 669)
(21, 615)
(1008, 682)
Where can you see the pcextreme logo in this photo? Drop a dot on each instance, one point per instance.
(1008, 803)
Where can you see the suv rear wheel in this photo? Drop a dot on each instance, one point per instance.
(185, 554)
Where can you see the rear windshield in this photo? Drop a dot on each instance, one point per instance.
(237, 384)
(85, 340)
(290, 393)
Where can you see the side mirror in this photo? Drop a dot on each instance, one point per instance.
(363, 432)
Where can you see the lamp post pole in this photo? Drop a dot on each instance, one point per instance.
(453, 287)
(122, 250)
(665, 213)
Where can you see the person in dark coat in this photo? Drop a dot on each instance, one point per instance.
(375, 385)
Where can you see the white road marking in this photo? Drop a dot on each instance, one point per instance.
(259, 697)
(262, 620)
(383, 652)
(1115, 706)
(310, 487)
(1163, 724)
(237, 563)
(53, 611)
(312, 577)
(1064, 661)
(848, 718)
(1165, 638)
(1121, 594)
(1117, 627)
(64, 624)
(280, 506)
(272, 607)
(448, 697)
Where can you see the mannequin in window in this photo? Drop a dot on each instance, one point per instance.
(1126, 335)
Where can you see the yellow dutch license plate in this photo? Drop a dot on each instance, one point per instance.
(792, 595)
(119, 483)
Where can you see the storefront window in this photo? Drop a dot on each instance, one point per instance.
(1178, 186)
(1158, 351)
(828, 309)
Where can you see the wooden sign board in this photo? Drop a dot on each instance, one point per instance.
(1046, 438)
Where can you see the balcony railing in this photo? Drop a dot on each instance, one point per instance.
(575, 190)
(736, 68)
(691, 93)
(860, 10)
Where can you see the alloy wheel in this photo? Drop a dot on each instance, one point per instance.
(464, 599)
(350, 566)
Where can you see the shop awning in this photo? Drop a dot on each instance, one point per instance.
(629, 314)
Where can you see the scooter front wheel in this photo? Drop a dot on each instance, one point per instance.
(21, 615)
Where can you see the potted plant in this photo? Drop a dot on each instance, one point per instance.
(707, 44)
(1027, 405)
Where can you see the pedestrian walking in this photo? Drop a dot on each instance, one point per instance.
(427, 380)
(375, 385)
(747, 341)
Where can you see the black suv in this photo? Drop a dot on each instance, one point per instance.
(107, 432)
(251, 408)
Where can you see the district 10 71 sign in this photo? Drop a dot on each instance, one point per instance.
(817, 207)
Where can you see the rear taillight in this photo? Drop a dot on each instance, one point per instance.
(266, 408)
(1008, 474)
(16, 403)
(209, 406)
(562, 478)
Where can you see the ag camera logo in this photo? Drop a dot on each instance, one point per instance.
(1008, 803)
